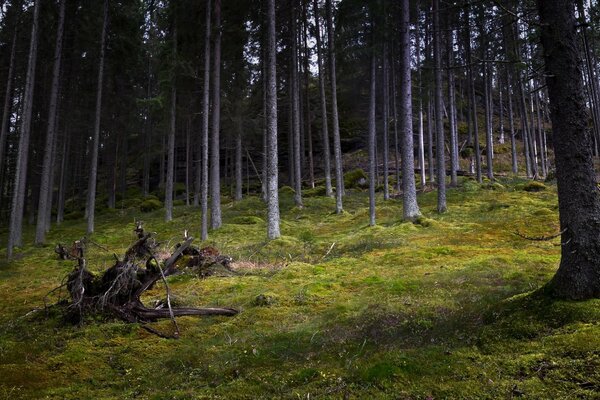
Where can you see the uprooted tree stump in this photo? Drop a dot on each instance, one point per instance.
(118, 290)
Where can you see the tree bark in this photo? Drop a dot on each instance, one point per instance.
(295, 87)
(238, 164)
(578, 276)
(271, 97)
(440, 136)
(409, 189)
(386, 120)
(215, 172)
(451, 104)
(91, 195)
(205, 123)
(45, 185)
(337, 146)
(324, 128)
(8, 98)
(372, 139)
(18, 200)
(171, 138)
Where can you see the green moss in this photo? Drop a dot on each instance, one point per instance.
(149, 205)
(534, 186)
(314, 192)
(355, 178)
(286, 190)
(247, 220)
(445, 308)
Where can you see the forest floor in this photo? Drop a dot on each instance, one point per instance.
(448, 307)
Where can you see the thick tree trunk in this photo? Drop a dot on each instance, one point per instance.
(439, 124)
(409, 190)
(578, 276)
(215, 172)
(272, 164)
(91, 195)
(337, 146)
(18, 200)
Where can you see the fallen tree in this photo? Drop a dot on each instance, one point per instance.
(118, 290)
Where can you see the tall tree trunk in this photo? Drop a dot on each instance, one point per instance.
(409, 190)
(395, 117)
(501, 138)
(18, 200)
(63, 180)
(8, 98)
(451, 104)
(488, 122)
(513, 140)
(238, 164)
(472, 100)
(439, 124)
(578, 276)
(205, 123)
(337, 146)
(169, 184)
(272, 168)
(372, 139)
(296, 112)
(215, 173)
(91, 194)
(404, 45)
(386, 119)
(308, 125)
(324, 128)
(430, 128)
(188, 159)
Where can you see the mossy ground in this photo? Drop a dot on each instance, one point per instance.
(445, 308)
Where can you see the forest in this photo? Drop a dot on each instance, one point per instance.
(299, 199)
